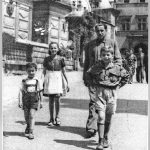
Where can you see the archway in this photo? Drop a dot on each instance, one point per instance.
(143, 46)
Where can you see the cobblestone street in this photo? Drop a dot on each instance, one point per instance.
(129, 129)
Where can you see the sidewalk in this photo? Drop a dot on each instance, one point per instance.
(129, 129)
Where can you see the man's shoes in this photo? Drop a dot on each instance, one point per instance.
(90, 133)
(105, 143)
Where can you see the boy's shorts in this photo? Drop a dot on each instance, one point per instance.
(30, 101)
(106, 99)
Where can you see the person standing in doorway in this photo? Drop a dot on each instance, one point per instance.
(140, 66)
(92, 55)
(146, 66)
(131, 61)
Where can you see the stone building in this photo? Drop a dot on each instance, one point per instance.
(105, 13)
(28, 27)
(132, 24)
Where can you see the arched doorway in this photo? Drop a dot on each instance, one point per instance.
(143, 46)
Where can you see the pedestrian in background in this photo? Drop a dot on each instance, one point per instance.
(146, 66)
(124, 59)
(131, 63)
(54, 71)
(30, 98)
(92, 51)
(140, 66)
(106, 77)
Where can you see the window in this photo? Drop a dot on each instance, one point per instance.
(142, 1)
(126, 1)
(40, 26)
(94, 3)
(125, 24)
(40, 30)
(142, 23)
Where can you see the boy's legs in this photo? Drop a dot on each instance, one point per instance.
(26, 116)
(110, 111)
(32, 122)
(101, 127)
(107, 129)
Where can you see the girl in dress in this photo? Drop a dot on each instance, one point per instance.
(54, 72)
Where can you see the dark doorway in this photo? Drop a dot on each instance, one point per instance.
(143, 46)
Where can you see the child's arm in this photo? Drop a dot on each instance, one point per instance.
(20, 94)
(64, 74)
(41, 98)
(40, 92)
(20, 99)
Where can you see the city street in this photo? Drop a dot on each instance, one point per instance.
(129, 126)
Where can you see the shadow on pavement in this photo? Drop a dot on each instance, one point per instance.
(21, 122)
(8, 133)
(41, 123)
(36, 123)
(75, 130)
(81, 144)
(75, 103)
(123, 105)
(132, 106)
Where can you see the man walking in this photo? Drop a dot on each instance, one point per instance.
(92, 51)
(140, 66)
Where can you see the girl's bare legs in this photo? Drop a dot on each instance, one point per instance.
(57, 108)
(51, 108)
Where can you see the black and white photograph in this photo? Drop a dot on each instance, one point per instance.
(75, 75)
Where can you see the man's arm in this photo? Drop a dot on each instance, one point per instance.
(117, 54)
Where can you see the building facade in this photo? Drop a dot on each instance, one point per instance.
(28, 27)
(132, 24)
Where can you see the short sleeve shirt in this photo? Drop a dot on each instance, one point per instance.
(54, 64)
(31, 85)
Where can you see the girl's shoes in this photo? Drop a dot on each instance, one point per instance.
(51, 123)
(57, 121)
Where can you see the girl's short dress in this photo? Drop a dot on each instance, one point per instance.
(54, 82)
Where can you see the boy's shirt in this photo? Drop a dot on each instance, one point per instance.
(31, 85)
(113, 75)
